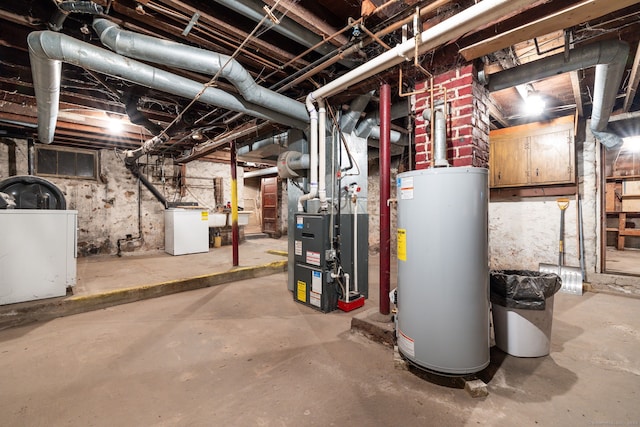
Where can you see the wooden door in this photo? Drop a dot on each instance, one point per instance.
(269, 191)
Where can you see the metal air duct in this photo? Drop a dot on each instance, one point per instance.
(254, 10)
(609, 57)
(47, 49)
(172, 54)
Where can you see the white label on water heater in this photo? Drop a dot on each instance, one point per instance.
(298, 247)
(406, 188)
(406, 345)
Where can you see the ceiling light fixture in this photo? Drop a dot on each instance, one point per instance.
(631, 143)
(534, 104)
(115, 125)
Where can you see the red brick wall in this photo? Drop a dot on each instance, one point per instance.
(467, 124)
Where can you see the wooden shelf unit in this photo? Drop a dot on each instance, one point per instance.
(622, 229)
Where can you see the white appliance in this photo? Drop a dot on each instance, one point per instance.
(38, 253)
(186, 231)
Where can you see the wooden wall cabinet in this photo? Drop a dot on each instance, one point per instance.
(540, 153)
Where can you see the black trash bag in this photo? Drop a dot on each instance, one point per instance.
(523, 289)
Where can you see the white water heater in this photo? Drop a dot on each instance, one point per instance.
(443, 269)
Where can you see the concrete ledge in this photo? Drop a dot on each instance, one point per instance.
(375, 326)
(37, 311)
(276, 252)
(627, 286)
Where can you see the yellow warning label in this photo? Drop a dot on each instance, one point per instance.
(205, 215)
(402, 244)
(302, 291)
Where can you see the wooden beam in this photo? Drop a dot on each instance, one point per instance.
(565, 18)
(497, 113)
(577, 94)
(634, 79)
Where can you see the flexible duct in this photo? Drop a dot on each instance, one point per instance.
(153, 49)
(610, 59)
(47, 49)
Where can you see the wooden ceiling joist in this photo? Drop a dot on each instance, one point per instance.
(634, 79)
(566, 18)
(577, 94)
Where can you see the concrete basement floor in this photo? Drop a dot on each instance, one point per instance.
(245, 354)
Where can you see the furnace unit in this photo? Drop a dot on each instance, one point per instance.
(324, 276)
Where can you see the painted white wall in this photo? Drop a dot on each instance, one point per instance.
(524, 233)
(108, 207)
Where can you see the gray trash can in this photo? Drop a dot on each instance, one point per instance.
(522, 306)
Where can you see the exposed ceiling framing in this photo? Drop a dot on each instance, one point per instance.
(341, 35)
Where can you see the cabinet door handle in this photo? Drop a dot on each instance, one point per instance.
(537, 174)
(499, 176)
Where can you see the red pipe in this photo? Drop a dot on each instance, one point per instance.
(385, 194)
(235, 236)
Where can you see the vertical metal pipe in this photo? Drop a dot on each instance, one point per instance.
(385, 187)
(31, 156)
(234, 204)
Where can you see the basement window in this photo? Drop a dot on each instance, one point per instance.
(66, 162)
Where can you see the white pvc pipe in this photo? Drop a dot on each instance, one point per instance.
(322, 154)
(355, 243)
(478, 15)
(313, 153)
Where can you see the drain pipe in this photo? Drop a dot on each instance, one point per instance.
(172, 54)
(47, 50)
(610, 59)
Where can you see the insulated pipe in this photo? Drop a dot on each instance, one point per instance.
(313, 153)
(385, 194)
(475, 16)
(47, 49)
(165, 52)
(609, 57)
